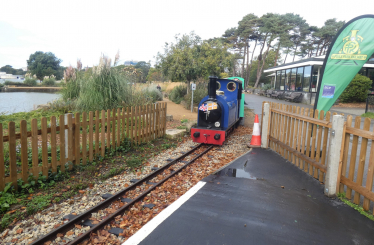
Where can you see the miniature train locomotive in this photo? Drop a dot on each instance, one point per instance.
(219, 112)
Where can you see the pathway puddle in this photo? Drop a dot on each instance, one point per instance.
(236, 173)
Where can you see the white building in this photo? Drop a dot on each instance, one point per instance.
(9, 77)
(303, 76)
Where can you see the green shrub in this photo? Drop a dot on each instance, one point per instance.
(61, 106)
(30, 82)
(267, 86)
(49, 81)
(200, 92)
(6, 198)
(357, 90)
(16, 84)
(178, 93)
(152, 93)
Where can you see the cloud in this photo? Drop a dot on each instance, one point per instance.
(139, 29)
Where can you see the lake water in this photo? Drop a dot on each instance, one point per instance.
(24, 101)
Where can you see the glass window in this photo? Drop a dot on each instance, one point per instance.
(306, 84)
(293, 79)
(272, 82)
(362, 71)
(288, 82)
(315, 77)
(277, 83)
(231, 86)
(282, 80)
(299, 78)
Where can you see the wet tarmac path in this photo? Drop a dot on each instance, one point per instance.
(254, 102)
(262, 199)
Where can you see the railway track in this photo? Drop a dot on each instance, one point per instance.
(147, 184)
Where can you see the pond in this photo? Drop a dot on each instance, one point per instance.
(24, 101)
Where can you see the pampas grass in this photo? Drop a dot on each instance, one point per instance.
(104, 87)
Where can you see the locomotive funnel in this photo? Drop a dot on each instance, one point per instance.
(212, 87)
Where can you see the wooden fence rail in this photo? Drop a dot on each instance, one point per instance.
(301, 136)
(358, 168)
(74, 139)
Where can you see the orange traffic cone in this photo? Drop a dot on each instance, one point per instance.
(256, 137)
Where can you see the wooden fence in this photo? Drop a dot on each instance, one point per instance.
(301, 136)
(74, 140)
(357, 170)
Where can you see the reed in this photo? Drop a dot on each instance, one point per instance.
(104, 87)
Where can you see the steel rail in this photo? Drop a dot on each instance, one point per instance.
(102, 205)
(120, 211)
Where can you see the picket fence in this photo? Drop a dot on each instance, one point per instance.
(72, 141)
(301, 136)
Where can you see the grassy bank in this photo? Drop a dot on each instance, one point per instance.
(41, 89)
(17, 117)
(368, 114)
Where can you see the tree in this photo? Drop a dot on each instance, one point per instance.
(214, 58)
(242, 39)
(10, 70)
(144, 68)
(297, 30)
(248, 33)
(44, 64)
(230, 37)
(308, 46)
(328, 32)
(288, 35)
(270, 59)
(271, 26)
(135, 75)
(180, 59)
(190, 58)
(154, 75)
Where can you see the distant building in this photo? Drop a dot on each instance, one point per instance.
(4, 76)
(131, 62)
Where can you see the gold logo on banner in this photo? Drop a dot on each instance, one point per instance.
(351, 49)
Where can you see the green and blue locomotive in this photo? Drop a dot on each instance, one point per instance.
(219, 112)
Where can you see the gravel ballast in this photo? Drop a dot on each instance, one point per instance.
(39, 224)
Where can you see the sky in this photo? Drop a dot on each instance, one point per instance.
(137, 29)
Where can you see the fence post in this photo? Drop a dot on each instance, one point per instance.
(264, 125)
(66, 133)
(154, 120)
(333, 158)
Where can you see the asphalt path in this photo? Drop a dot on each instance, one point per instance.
(254, 102)
(262, 199)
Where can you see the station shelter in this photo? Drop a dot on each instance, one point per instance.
(303, 76)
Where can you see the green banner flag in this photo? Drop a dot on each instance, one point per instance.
(348, 52)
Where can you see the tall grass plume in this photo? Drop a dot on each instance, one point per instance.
(102, 87)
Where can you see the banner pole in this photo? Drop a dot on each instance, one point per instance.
(192, 101)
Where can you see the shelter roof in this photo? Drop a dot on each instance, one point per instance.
(318, 60)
